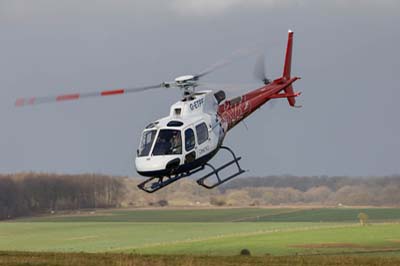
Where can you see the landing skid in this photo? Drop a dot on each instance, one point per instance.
(203, 181)
(153, 184)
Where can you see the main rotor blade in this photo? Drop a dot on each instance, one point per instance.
(228, 86)
(212, 68)
(76, 96)
(227, 61)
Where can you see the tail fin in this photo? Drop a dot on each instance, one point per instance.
(288, 58)
(287, 68)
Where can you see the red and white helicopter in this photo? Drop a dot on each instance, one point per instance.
(184, 142)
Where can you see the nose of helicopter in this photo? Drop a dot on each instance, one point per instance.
(156, 165)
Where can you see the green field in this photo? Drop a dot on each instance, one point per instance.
(286, 231)
(167, 215)
(227, 215)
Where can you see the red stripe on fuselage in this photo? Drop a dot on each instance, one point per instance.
(113, 92)
(67, 97)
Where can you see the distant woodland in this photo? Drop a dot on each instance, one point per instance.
(28, 194)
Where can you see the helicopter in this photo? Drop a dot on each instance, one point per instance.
(183, 143)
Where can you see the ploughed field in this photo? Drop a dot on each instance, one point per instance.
(222, 232)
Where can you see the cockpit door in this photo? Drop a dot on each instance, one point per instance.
(203, 140)
(190, 145)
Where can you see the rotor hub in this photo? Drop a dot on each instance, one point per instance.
(187, 83)
(184, 79)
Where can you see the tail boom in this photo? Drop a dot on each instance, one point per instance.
(235, 110)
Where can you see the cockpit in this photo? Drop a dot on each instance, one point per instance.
(167, 142)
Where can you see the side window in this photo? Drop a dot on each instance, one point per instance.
(202, 132)
(189, 139)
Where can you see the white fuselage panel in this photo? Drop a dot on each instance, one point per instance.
(200, 133)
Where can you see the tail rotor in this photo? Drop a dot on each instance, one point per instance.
(259, 70)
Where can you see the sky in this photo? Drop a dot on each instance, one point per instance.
(345, 51)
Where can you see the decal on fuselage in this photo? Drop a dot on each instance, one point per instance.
(236, 113)
(204, 150)
(196, 104)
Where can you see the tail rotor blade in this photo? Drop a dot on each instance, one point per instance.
(259, 68)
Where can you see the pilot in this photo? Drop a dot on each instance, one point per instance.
(176, 143)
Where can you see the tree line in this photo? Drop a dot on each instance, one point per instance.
(28, 194)
(304, 183)
(277, 190)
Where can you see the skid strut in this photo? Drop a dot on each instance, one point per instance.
(155, 183)
(215, 171)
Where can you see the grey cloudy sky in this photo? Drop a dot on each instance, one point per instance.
(345, 51)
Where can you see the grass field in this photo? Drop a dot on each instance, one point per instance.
(296, 241)
(227, 215)
(166, 215)
(222, 232)
(101, 259)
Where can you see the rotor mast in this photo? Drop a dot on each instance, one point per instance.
(187, 84)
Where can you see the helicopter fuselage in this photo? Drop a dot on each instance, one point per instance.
(195, 129)
(186, 139)
(181, 144)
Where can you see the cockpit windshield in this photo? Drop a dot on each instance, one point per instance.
(146, 142)
(168, 142)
